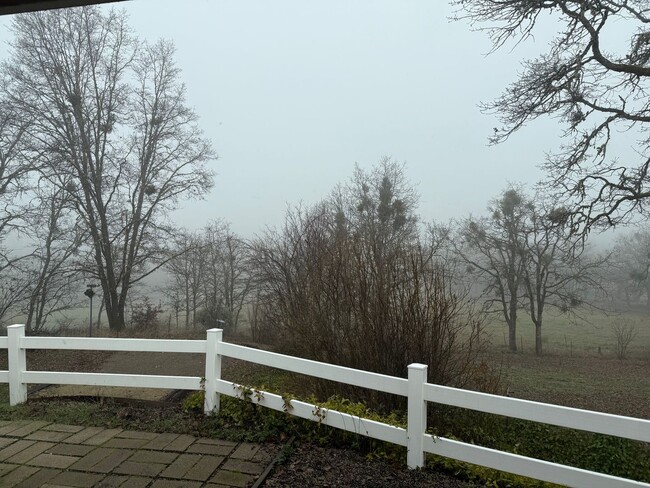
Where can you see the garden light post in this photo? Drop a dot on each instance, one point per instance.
(90, 294)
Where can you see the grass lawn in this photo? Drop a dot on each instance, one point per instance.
(582, 335)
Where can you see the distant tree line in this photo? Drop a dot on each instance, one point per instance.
(357, 279)
(210, 277)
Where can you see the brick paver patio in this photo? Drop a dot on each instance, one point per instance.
(41, 454)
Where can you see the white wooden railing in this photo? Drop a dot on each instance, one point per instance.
(415, 388)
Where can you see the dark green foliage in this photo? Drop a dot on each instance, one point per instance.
(594, 452)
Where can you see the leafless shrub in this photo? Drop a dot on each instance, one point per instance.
(335, 297)
(209, 278)
(624, 332)
(145, 315)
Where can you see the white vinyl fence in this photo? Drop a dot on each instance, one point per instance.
(415, 388)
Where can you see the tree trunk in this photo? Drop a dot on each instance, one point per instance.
(538, 339)
(30, 314)
(512, 328)
(194, 309)
(114, 311)
(512, 337)
(115, 319)
(187, 303)
(99, 314)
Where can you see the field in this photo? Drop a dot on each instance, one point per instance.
(579, 367)
(587, 334)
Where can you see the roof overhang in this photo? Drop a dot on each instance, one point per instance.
(19, 6)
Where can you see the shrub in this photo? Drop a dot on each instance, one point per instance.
(351, 282)
(194, 402)
(144, 315)
(624, 332)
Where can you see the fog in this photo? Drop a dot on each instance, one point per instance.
(293, 94)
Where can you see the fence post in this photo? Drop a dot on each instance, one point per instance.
(417, 415)
(17, 359)
(212, 370)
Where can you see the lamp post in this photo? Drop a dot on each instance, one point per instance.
(90, 294)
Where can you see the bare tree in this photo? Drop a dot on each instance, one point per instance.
(53, 273)
(528, 258)
(630, 268)
(111, 128)
(594, 79)
(187, 269)
(558, 271)
(491, 248)
(209, 273)
(38, 272)
(15, 166)
(15, 169)
(258, 314)
(14, 290)
(625, 333)
(228, 280)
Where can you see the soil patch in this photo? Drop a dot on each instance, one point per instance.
(311, 465)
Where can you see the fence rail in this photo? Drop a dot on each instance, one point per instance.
(418, 392)
(573, 418)
(354, 377)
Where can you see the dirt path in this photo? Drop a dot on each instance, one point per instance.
(154, 363)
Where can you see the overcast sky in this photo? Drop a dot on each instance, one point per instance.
(293, 94)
